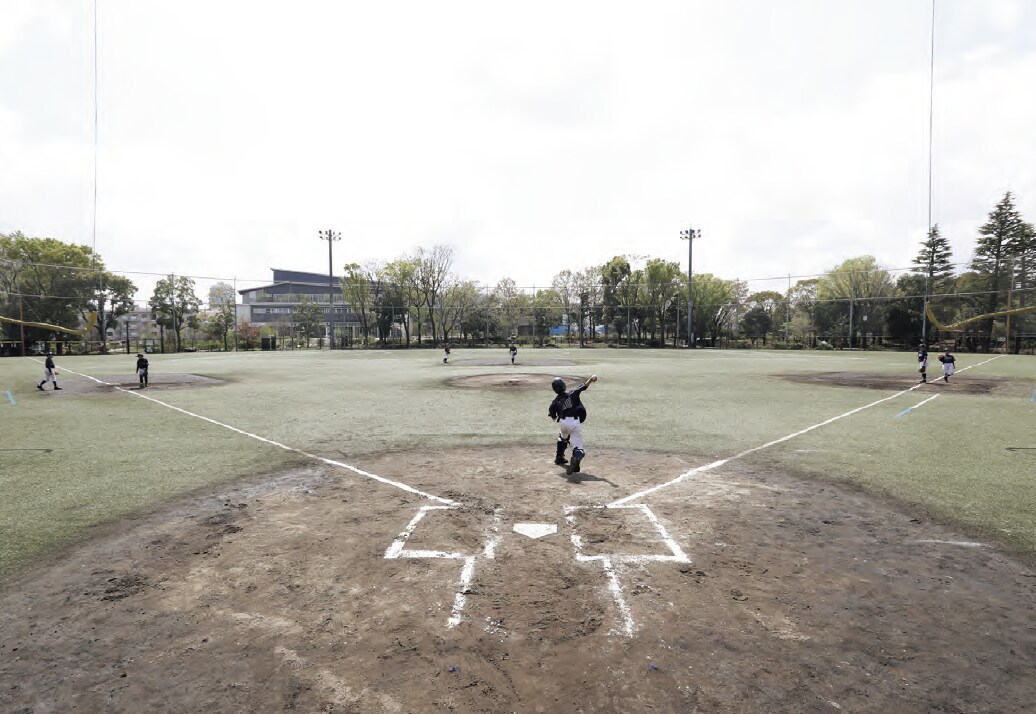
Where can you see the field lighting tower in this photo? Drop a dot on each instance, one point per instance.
(689, 235)
(330, 236)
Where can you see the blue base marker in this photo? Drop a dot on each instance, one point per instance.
(8, 392)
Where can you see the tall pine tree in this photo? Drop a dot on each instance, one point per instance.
(933, 262)
(993, 254)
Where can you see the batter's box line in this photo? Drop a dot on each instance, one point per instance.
(627, 626)
(467, 572)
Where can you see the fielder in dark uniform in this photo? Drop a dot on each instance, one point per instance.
(50, 373)
(142, 370)
(514, 352)
(948, 365)
(922, 361)
(567, 409)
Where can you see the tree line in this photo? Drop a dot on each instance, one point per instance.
(625, 300)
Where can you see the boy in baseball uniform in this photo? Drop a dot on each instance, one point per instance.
(948, 361)
(922, 362)
(514, 352)
(142, 369)
(50, 373)
(568, 411)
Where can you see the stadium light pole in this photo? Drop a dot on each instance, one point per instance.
(689, 235)
(330, 236)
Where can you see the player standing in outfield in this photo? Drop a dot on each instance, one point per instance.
(922, 362)
(948, 361)
(514, 352)
(142, 370)
(50, 373)
(567, 409)
(445, 352)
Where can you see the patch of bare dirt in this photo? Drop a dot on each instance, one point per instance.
(511, 380)
(505, 361)
(72, 385)
(963, 384)
(277, 595)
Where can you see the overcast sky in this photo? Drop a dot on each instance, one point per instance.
(532, 137)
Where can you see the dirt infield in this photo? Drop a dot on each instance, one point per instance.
(512, 380)
(275, 595)
(505, 361)
(961, 384)
(73, 385)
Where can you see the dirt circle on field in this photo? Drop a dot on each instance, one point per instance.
(511, 380)
(487, 580)
(73, 386)
(505, 361)
(962, 384)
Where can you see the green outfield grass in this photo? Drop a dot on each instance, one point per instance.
(114, 455)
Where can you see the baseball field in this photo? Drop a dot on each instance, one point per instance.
(366, 531)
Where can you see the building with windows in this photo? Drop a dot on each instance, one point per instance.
(273, 304)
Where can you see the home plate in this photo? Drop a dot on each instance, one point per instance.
(535, 530)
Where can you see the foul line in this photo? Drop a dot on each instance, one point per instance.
(916, 406)
(716, 464)
(330, 462)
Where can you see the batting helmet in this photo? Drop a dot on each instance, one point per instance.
(558, 385)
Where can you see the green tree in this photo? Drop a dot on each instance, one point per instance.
(176, 305)
(714, 305)
(546, 312)
(48, 281)
(459, 298)
(662, 282)
(361, 288)
(993, 253)
(222, 312)
(933, 263)
(401, 274)
(431, 278)
(854, 297)
(804, 305)
(564, 286)
(307, 316)
(757, 324)
(512, 305)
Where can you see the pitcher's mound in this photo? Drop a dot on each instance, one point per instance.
(512, 380)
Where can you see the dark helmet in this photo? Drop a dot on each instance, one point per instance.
(558, 385)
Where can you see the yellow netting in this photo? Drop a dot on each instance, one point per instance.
(91, 322)
(955, 326)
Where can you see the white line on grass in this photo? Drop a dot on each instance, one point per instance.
(330, 462)
(917, 406)
(715, 464)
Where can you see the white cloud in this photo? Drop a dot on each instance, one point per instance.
(534, 138)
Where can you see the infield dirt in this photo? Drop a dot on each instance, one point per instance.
(276, 595)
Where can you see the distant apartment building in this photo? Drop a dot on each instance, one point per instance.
(272, 304)
(138, 325)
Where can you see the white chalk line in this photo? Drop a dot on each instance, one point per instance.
(916, 406)
(628, 625)
(491, 537)
(330, 462)
(715, 464)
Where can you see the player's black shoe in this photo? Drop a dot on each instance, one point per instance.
(39, 387)
(56, 388)
(561, 461)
